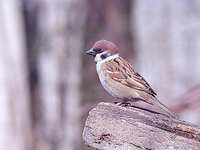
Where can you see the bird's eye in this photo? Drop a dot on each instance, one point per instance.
(99, 50)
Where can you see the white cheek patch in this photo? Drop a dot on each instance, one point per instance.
(98, 57)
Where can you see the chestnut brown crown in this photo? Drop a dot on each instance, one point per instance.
(103, 46)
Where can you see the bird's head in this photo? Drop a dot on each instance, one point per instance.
(102, 50)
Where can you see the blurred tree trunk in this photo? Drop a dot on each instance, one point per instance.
(167, 37)
(15, 122)
(76, 22)
(59, 62)
(51, 53)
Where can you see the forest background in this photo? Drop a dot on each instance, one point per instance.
(47, 83)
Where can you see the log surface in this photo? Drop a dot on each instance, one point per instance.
(110, 126)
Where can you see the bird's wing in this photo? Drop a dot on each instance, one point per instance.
(121, 71)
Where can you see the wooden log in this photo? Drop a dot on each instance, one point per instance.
(110, 126)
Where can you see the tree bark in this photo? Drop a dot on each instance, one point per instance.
(110, 126)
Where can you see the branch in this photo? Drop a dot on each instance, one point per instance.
(110, 126)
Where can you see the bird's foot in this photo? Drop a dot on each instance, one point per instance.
(123, 103)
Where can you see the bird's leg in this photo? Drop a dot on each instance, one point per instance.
(127, 104)
(117, 102)
(124, 103)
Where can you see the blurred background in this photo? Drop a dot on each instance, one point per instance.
(47, 83)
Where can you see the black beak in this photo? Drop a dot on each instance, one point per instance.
(91, 52)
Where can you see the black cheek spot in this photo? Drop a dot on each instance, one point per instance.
(104, 56)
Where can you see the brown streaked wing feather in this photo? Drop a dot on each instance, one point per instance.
(118, 76)
(127, 75)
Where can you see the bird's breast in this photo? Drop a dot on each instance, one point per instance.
(115, 88)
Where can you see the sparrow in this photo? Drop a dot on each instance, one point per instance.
(120, 79)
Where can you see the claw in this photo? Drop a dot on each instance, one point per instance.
(124, 103)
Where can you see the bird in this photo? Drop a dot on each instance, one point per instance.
(120, 79)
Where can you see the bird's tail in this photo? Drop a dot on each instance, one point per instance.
(159, 104)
